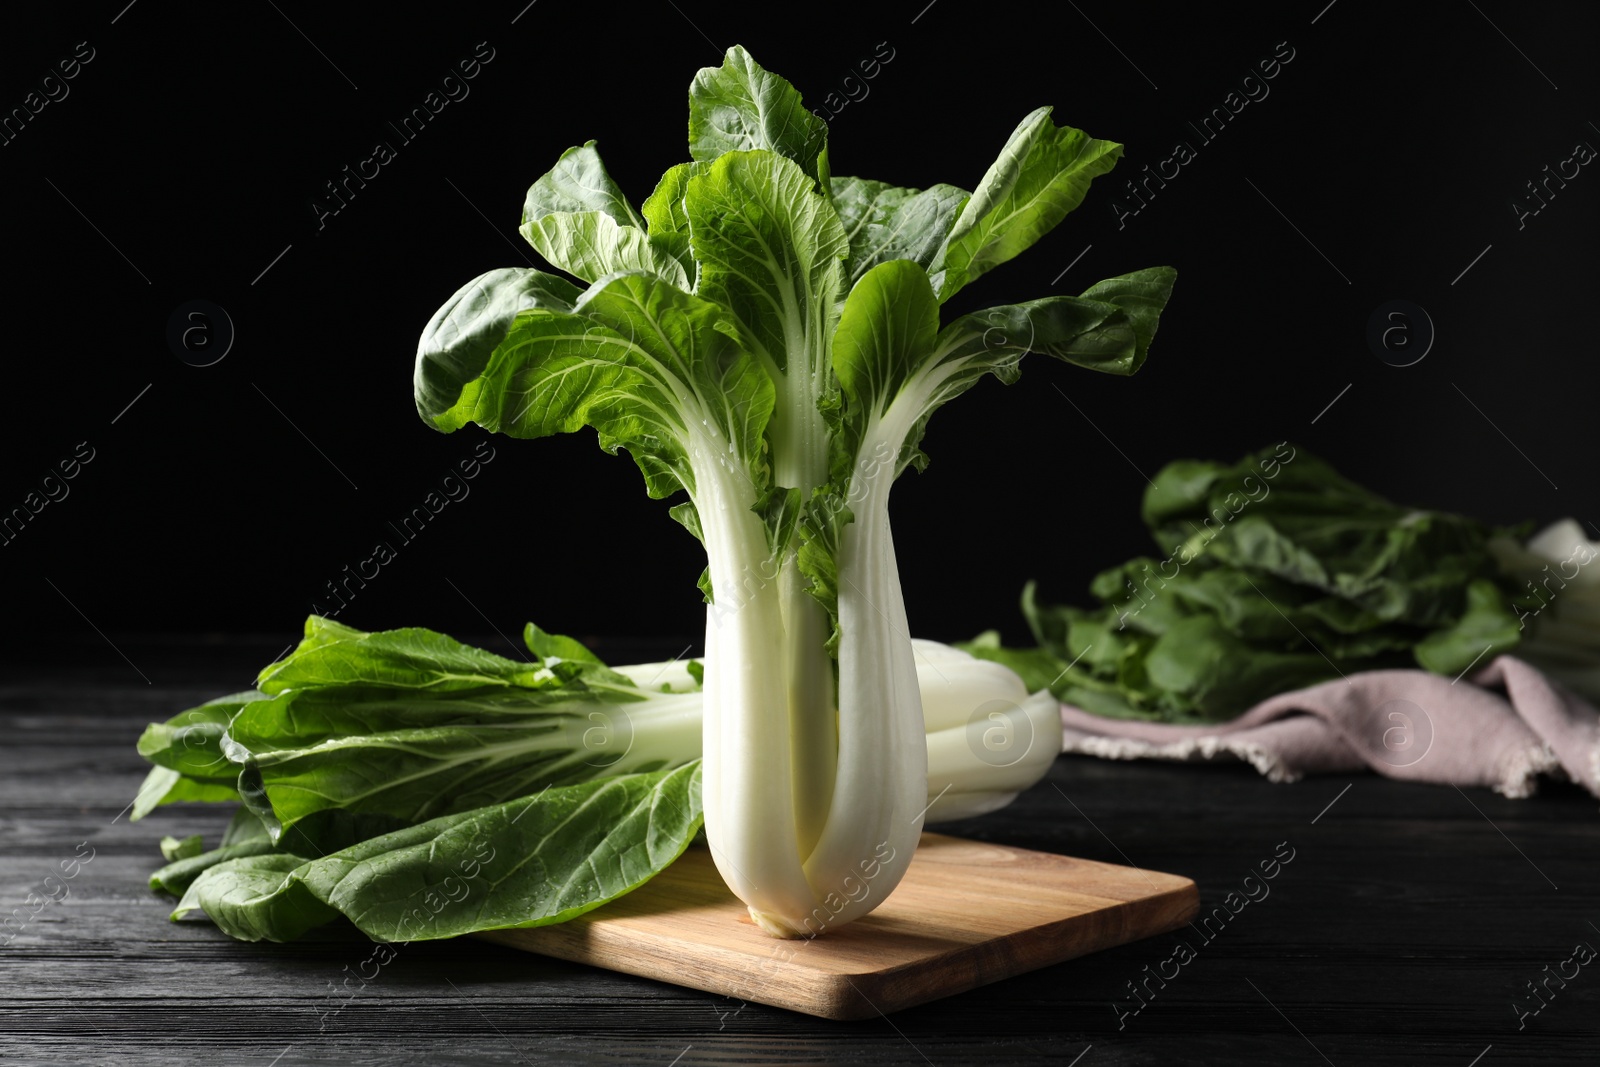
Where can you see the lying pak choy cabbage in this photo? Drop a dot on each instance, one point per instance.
(424, 788)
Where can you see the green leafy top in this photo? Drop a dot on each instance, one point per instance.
(739, 106)
(334, 654)
(759, 325)
(1278, 572)
(1043, 173)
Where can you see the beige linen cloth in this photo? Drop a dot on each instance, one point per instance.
(1503, 728)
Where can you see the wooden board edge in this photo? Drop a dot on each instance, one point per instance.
(864, 996)
(656, 962)
(845, 997)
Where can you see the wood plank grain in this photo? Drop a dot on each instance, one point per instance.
(966, 914)
(1399, 935)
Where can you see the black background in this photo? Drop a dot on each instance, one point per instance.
(189, 151)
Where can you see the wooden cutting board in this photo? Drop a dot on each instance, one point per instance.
(967, 913)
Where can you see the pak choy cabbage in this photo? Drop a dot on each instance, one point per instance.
(1276, 572)
(764, 337)
(423, 788)
(767, 339)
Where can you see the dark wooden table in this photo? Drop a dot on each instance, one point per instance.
(1403, 930)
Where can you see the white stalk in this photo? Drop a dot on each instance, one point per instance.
(963, 759)
(746, 780)
(812, 825)
(880, 786)
(800, 461)
(813, 721)
(964, 776)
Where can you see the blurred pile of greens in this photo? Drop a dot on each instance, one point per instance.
(1276, 572)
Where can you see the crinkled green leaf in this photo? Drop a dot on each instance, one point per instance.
(528, 862)
(579, 183)
(591, 244)
(663, 208)
(163, 785)
(412, 658)
(647, 365)
(741, 106)
(886, 351)
(820, 531)
(191, 741)
(780, 511)
(575, 665)
(255, 898)
(244, 826)
(412, 755)
(172, 849)
(1275, 573)
(1042, 173)
(180, 872)
(689, 517)
(247, 836)
(689, 347)
(1037, 667)
(1487, 628)
(770, 250)
(459, 340)
(1141, 296)
(1218, 673)
(546, 645)
(884, 222)
(885, 336)
(581, 223)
